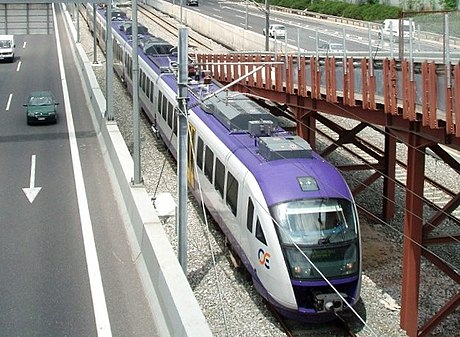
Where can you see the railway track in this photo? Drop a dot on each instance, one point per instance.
(169, 25)
(439, 197)
(339, 327)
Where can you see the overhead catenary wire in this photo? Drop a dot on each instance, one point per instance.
(297, 247)
(370, 167)
(421, 246)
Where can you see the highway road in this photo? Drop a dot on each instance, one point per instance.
(66, 266)
(309, 33)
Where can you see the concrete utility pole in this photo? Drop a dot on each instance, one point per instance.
(109, 63)
(136, 117)
(267, 25)
(182, 147)
(94, 35)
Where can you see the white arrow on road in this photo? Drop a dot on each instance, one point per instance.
(32, 191)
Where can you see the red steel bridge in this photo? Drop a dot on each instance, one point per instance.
(417, 103)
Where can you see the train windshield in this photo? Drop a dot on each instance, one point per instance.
(317, 221)
(318, 235)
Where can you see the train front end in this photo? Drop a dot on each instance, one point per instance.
(320, 242)
(317, 228)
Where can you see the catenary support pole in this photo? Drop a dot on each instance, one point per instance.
(182, 148)
(109, 63)
(136, 117)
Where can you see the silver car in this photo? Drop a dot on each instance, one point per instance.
(276, 31)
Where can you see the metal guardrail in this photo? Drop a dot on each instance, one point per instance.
(359, 23)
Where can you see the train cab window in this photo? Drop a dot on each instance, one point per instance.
(199, 153)
(219, 177)
(250, 217)
(315, 221)
(208, 163)
(232, 192)
(260, 233)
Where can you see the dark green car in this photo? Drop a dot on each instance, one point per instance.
(41, 107)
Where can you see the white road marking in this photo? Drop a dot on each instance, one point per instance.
(10, 97)
(95, 280)
(31, 192)
(19, 66)
(24, 45)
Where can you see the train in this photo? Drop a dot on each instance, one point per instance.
(288, 213)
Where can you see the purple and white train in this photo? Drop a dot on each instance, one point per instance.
(287, 212)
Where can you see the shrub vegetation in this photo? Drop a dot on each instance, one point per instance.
(368, 10)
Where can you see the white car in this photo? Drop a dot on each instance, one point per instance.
(7, 47)
(332, 48)
(276, 31)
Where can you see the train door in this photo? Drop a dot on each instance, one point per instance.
(249, 242)
(191, 155)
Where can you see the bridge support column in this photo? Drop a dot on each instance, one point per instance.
(389, 179)
(306, 122)
(413, 229)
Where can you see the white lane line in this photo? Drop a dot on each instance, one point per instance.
(24, 45)
(10, 97)
(94, 273)
(19, 66)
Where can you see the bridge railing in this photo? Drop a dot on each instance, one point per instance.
(419, 91)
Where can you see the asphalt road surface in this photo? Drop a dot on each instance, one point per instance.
(66, 268)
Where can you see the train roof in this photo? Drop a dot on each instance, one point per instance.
(281, 170)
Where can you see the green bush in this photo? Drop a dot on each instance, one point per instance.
(449, 4)
(369, 10)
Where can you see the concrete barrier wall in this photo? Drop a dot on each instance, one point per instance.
(174, 306)
(242, 39)
(224, 33)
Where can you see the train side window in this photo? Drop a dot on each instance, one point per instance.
(219, 178)
(130, 66)
(260, 233)
(170, 114)
(208, 163)
(250, 217)
(232, 192)
(143, 81)
(175, 122)
(126, 60)
(160, 99)
(152, 88)
(164, 107)
(199, 153)
(147, 87)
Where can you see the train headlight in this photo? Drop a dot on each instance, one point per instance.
(300, 271)
(349, 268)
(297, 271)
